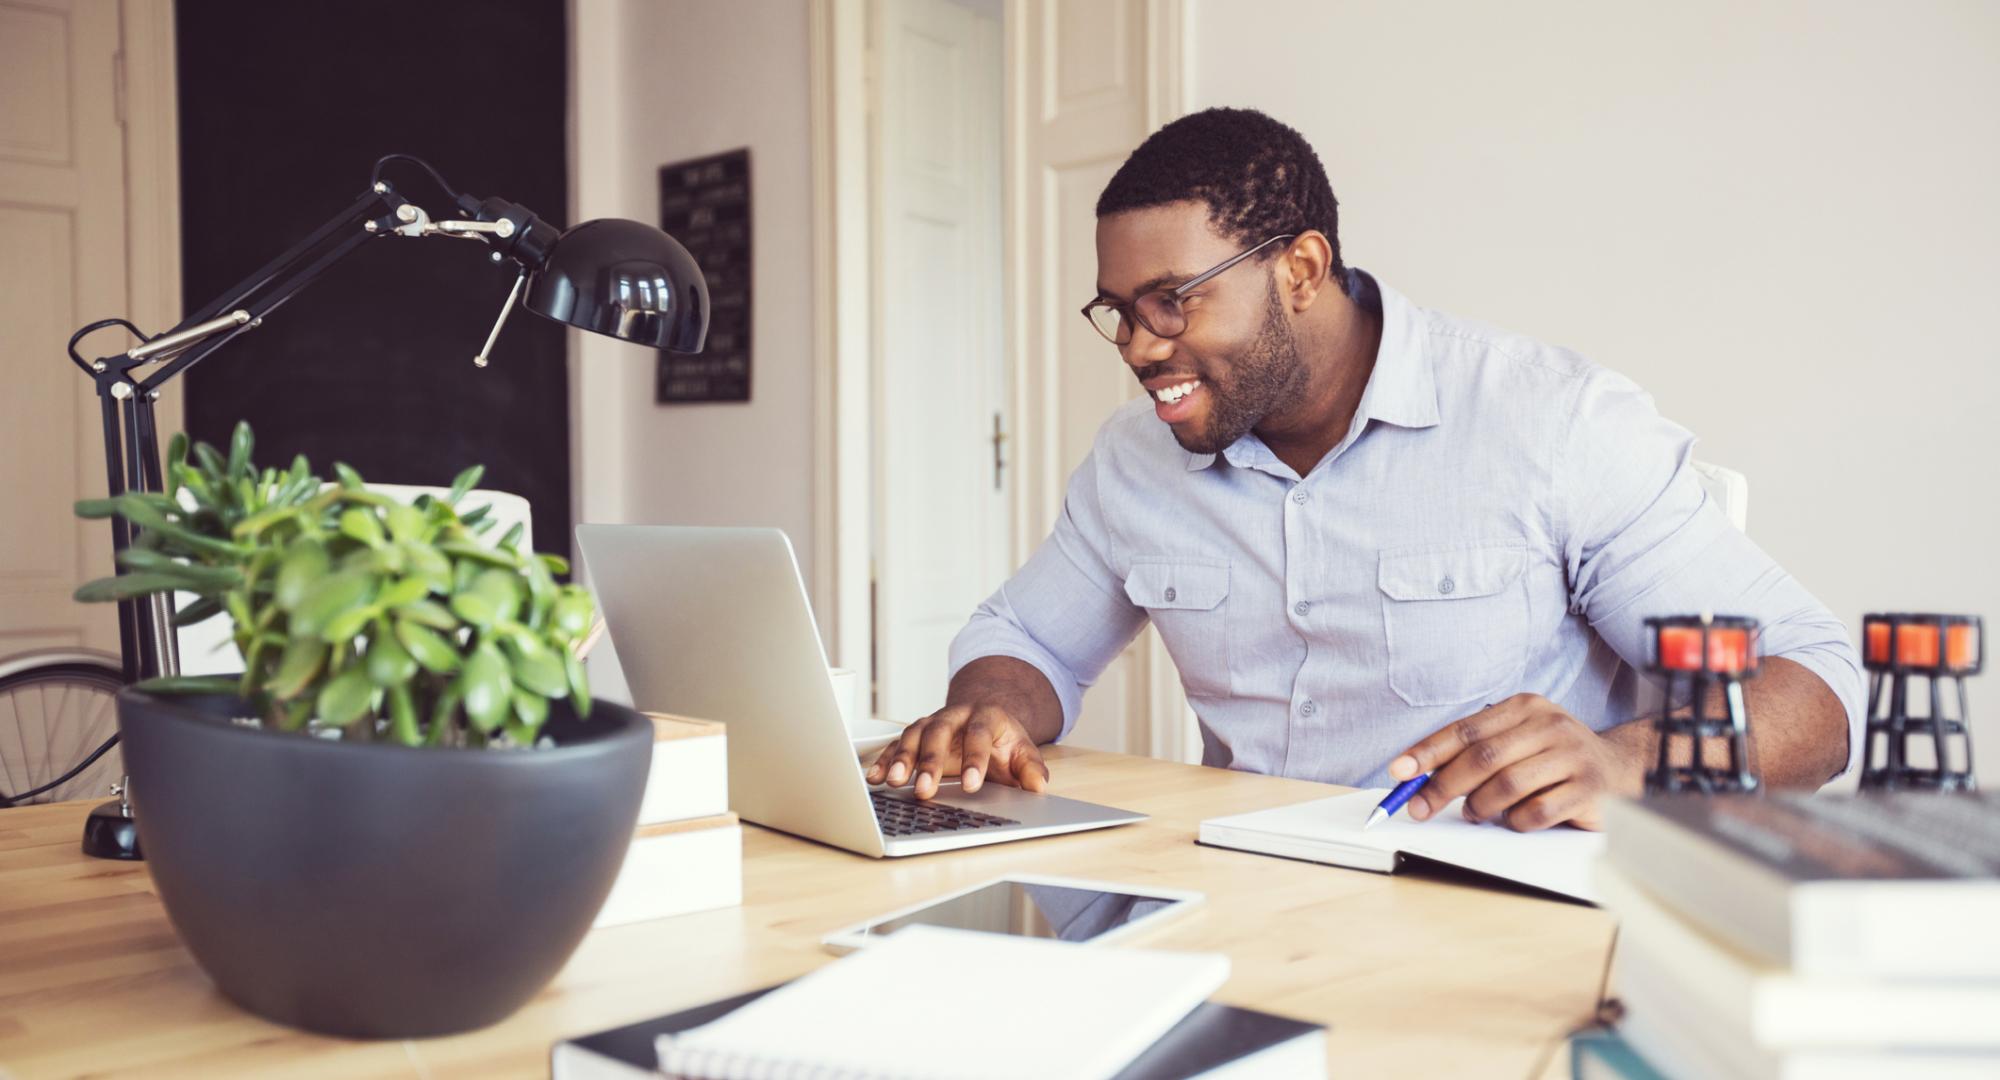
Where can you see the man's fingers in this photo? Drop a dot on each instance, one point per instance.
(1440, 746)
(1558, 805)
(1494, 749)
(937, 756)
(1030, 771)
(898, 760)
(1517, 783)
(975, 748)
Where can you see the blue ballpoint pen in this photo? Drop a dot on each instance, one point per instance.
(1394, 801)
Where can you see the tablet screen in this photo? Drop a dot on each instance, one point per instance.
(1030, 910)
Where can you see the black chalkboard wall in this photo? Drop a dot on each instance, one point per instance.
(284, 107)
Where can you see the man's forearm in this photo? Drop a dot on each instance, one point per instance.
(1798, 728)
(1014, 686)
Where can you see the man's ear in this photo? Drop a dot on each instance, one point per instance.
(1304, 269)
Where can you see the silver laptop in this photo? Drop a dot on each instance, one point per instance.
(714, 623)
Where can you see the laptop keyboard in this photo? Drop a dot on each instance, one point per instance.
(907, 817)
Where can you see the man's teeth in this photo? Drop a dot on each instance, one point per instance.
(1172, 394)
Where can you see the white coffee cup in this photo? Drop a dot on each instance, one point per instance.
(847, 688)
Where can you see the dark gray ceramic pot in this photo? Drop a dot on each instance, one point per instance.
(379, 891)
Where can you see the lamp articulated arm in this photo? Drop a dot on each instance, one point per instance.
(616, 277)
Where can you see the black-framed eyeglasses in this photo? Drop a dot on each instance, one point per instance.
(1158, 311)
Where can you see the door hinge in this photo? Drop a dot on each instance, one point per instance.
(999, 451)
(118, 87)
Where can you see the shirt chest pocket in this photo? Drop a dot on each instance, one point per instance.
(1187, 600)
(1455, 621)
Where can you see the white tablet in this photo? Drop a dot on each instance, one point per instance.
(1031, 905)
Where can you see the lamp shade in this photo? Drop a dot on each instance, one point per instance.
(624, 279)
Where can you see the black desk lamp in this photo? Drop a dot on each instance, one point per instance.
(611, 276)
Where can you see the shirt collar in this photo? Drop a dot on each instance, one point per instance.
(1402, 390)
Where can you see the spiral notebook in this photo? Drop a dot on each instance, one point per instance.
(1091, 1010)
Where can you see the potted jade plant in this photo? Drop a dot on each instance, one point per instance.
(405, 813)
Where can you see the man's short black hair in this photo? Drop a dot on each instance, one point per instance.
(1258, 177)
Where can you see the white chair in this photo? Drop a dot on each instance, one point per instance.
(206, 648)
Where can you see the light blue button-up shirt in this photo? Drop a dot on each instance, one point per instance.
(1501, 517)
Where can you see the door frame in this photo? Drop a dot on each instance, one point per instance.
(148, 105)
(839, 71)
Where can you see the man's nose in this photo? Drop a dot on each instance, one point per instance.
(1146, 347)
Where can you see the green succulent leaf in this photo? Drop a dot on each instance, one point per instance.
(429, 613)
(388, 662)
(349, 479)
(570, 616)
(531, 711)
(297, 668)
(177, 452)
(362, 525)
(473, 550)
(555, 564)
(485, 687)
(579, 683)
(465, 482)
(407, 590)
(126, 586)
(407, 523)
(347, 624)
(92, 509)
(403, 717)
(240, 444)
(344, 698)
(305, 565)
(541, 672)
(493, 596)
(201, 610)
(329, 598)
(426, 647)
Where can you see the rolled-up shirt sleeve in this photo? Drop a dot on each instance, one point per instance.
(1065, 611)
(1641, 538)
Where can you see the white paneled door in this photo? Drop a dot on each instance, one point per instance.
(1089, 80)
(63, 256)
(941, 527)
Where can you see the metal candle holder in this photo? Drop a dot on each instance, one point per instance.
(1694, 654)
(1898, 649)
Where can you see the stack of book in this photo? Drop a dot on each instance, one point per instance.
(1802, 936)
(687, 852)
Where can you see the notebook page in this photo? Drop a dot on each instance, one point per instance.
(1556, 859)
(904, 1007)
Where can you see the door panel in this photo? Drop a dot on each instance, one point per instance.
(941, 528)
(62, 251)
(1086, 92)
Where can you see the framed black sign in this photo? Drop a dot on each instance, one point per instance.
(705, 204)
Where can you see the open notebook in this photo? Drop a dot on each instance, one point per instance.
(1329, 831)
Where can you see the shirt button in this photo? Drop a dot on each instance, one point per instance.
(1299, 496)
(1301, 608)
(1308, 709)
(1171, 595)
(1447, 586)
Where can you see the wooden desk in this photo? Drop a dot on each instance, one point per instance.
(1464, 980)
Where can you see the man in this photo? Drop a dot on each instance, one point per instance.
(1376, 540)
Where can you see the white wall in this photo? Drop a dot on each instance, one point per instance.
(1780, 217)
(658, 81)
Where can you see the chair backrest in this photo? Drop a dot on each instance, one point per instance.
(206, 648)
(1730, 490)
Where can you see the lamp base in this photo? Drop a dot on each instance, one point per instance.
(111, 833)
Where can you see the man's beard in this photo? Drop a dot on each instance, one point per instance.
(1265, 375)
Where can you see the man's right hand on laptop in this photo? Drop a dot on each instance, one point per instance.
(997, 713)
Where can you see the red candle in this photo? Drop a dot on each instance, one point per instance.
(1728, 649)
